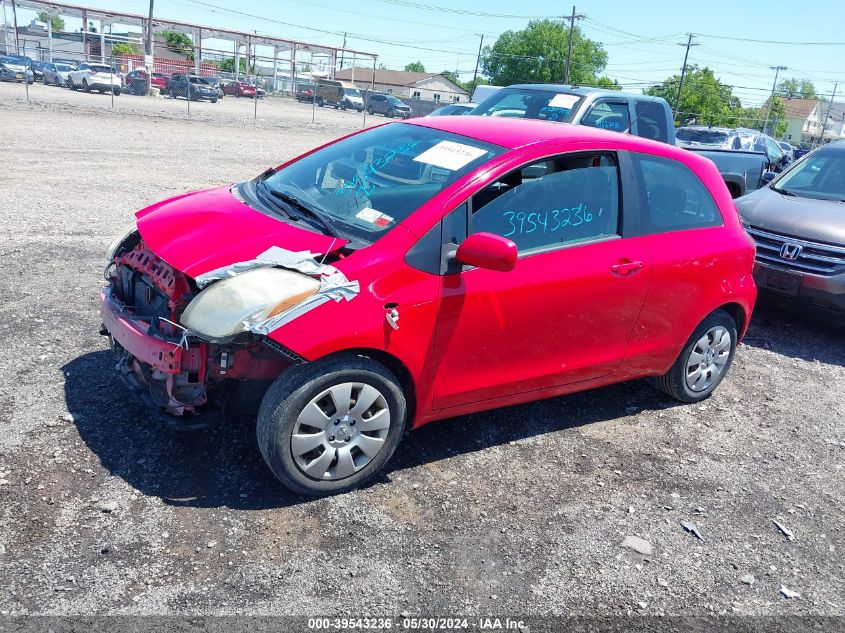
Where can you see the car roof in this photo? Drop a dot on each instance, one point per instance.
(581, 90)
(713, 128)
(513, 133)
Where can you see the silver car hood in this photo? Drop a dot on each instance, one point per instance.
(807, 218)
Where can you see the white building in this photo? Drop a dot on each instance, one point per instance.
(402, 83)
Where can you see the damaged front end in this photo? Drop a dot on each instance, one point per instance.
(195, 350)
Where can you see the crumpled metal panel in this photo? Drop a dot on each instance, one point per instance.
(333, 283)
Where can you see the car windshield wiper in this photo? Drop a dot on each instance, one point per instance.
(300, 205)
(785, 192)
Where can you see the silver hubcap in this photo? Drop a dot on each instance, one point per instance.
(340, 431)
(708, 358)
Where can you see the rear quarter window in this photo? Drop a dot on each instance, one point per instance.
(676, 199)
(651, 120)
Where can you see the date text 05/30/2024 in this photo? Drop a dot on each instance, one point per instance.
(418, 624)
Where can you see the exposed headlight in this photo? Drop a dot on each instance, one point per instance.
(112, 250)
(220, 310)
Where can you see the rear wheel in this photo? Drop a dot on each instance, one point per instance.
(319, 102)
(85, 85)
(390, 113)
(370, 110)
(704, 361)
(329, 426)
(44, 80)
(58, 83)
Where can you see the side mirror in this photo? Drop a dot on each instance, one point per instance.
(486, 250)
(767, 177)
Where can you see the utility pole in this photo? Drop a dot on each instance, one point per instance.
(683, 73)
(15, 26)
(5, 29)
(343, 50)
(829, 106)
(572, 19)
(148, 49)
(777, 70)
(477, 60)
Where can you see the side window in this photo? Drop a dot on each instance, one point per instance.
(651, 120)
(677, 199)
(562, 200)
(609, 116)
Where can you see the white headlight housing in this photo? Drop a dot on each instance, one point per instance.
(112, 250)
(223, 308)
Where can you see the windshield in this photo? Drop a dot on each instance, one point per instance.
(705, 137)
(366, 184)
(527, 103)
(103, 69)
(820, 176)
(14, 60)
(351, 92)
(63, 68)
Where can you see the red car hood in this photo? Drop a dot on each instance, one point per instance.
(204, 230)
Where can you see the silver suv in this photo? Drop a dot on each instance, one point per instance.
(798, 222)
(388, 105)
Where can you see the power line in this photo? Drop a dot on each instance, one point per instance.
(478, 14)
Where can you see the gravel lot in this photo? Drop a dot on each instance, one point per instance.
(520, 511)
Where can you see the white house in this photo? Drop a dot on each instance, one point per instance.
(402, 83)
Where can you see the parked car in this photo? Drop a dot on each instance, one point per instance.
(742, 155)
(789, 151)
(99, 77)
(422, 270)
(215, 83)
(136, 81)
(454, 109)
(192, 87)
(259, 91)
(743, 171)
(798, 223)
(239, 89)
(16, 68)
(388, 105)
(340, 94)
(56, 74)
(73, 63)
(305, 93)
(38, 69)
(641, 115)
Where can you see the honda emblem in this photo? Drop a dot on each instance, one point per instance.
(790, 251)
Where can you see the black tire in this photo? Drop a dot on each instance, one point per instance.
(370, 110)
(294, 390)
(674, 383)
(319, 102)
(44, 80)
(85, 85)
(116, 92)
(214, 101)
(390, 113)
(58, 83)
(172, 93)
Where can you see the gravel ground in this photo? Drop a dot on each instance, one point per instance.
(517, 511)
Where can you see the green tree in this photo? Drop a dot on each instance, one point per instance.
(538, 54)
(228, 65)
(451, 76)
(179, 43)
(704, 98)
(797, 89)
(57, 23)
(415, 67)
(125, 48)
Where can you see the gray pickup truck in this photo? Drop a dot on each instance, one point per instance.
(641, 115)
(742, 171)
(744, 156)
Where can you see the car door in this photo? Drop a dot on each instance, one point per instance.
(566, 311)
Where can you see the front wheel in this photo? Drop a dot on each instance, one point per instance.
(370, 110)
(85, 85)
(390, 113)
(329, 426)
(44, 80)
(704, 361)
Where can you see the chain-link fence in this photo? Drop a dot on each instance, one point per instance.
(260, 88)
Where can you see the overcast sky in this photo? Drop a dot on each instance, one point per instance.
(641, 38)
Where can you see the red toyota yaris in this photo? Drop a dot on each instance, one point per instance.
(425, 269)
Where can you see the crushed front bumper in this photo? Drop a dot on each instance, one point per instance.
(167, 377)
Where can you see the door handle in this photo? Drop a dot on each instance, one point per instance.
(626, 267)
